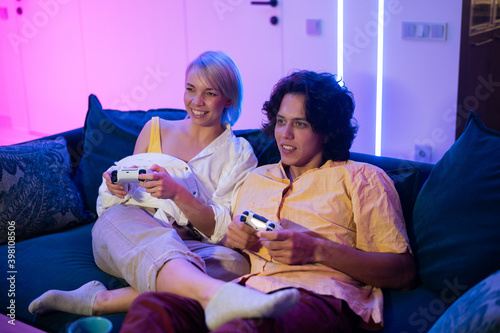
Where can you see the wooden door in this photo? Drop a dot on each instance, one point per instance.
(479, 73)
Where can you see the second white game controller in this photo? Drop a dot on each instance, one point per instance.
(257, 222)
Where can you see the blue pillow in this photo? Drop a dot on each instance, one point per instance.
(457, 213)
(110, 135)
(37, 195)
(478, 310)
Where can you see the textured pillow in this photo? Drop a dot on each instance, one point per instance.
(110, 135)
(457, 213)
(478, 310)
(37, 195)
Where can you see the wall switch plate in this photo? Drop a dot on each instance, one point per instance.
(424, 31)
(422, 153)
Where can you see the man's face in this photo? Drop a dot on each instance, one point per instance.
(300, 147)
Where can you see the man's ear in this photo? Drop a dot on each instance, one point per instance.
(229, 102)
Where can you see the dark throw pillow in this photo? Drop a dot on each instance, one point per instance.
(457, 213)
(37, 195)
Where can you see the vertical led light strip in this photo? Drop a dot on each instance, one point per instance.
(380, 65)
(380, 72)
(340, 38)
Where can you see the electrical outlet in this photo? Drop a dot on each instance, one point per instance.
(423, 153)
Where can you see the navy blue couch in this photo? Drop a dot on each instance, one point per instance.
(61, 257)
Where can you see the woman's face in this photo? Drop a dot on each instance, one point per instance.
(203, 102)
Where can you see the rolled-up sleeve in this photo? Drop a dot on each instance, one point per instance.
(228, 188)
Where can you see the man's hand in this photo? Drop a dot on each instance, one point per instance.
(290, 247)
(240, 235)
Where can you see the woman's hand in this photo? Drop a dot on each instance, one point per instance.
(240, 235)
(115, 189)
(159, 183)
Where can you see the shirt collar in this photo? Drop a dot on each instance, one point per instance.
(277, 171)
(221, 140)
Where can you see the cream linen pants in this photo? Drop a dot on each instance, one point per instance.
(129, 243)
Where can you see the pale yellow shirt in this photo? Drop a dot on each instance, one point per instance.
(350, 203)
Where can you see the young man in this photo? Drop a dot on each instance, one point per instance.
(342, 234)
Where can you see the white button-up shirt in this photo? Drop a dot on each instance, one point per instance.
(214, 177)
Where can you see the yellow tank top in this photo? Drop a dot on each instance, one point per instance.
(155, 138)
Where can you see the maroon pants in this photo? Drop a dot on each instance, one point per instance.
(165, 312)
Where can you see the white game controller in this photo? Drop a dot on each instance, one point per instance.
(130, 175)
(258, 222)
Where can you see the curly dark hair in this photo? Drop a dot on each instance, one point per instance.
(329, 109)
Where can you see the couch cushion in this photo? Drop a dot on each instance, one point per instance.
(264, 147)
(37, 195)
(478, 310)
(412, 311)
(406, 183)
(457, 212)
(61, 261)
(110, 135)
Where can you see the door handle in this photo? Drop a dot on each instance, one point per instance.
(272, 3)
(483, 42)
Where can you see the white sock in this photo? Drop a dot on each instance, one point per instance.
(79, 301)
(233, 301)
